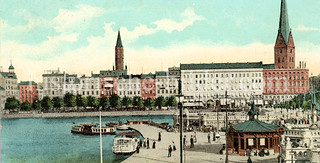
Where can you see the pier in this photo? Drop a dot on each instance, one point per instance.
(202, 152)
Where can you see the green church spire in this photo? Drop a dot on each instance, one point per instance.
(284, 27)
(119, 43)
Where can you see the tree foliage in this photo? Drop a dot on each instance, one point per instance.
(171, 101)
(149, 102)
(25, 106)
(92, 101)
(11, 103)
(57, 102)
(126, 101)
(36, 105)
(104, 102)
(160, 102)
(114, 100)
(46, 103)
(69, 100)
(137, 101)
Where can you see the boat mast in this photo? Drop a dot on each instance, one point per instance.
(101, 160)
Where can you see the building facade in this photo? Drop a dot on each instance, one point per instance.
(2, 98)
(28, 91)
(167, 82)
(129, 86)
(207, 84)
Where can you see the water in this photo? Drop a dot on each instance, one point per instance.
(50, 140)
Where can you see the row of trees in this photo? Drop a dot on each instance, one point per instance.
(300, 101)
(78, 101)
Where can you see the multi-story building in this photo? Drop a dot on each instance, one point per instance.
(148, 88)
(53, 82)
(206, 84)
(8, 81)
(129, 86)
(90, 86)
(28, 91)
(285, 81)
(167, 82)
(2, 98)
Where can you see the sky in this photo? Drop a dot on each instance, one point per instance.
(79, 36)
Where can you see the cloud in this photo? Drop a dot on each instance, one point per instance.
(304, 28)
(74, 18)
(167, 25)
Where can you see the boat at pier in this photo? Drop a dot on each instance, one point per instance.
(92, 129)
(125, 143)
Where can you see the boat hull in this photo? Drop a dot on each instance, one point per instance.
(91, 133)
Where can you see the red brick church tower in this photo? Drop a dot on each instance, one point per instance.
(119, 53)
(284, 49)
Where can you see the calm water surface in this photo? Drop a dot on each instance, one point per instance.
(50, 140)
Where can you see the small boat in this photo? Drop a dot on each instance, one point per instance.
(92, 129)
(123, 127)
(125, 143)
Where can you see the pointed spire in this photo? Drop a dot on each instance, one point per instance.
(284, 27)
(119, 43)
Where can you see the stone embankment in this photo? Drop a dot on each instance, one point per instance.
(86, 114)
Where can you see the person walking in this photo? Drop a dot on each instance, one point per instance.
(169, 151)
(144, 143)
(138, 149)
(209, 140)
(154, 144)
(195, 137)
(148, 143)
(184, 140)
(159, 136)
(174, 146)
(191, 142)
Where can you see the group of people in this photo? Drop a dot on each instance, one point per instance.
(146, 143)
(171, 148)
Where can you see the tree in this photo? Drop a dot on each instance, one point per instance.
(81, 101)
(69, 100)
(149, 102)
(36, 105)
(92, 101)
(126, 101)
(137, 101)
(104, 102)
(11, 103)
(171, 101)
(306, 105)
(57, 102)
(114, 100)
(46, 103)
(159, 102)
(25, 106)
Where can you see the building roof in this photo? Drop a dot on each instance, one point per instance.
(284, 27)
(1, 89)
(150, 75)
(238, 65)
(11, 67)
(8, 75)
(119, 43)
(162, 73)
(268, 66)
(27, 83)
(255, 125)
(253, 111)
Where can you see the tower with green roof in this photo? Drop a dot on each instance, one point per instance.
(284, 49)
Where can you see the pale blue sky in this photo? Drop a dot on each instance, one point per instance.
(59, 33)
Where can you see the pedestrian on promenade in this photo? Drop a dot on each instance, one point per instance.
(148, 143)
(154, 144)
(144, 143)
(174, 146)
(184, 140)
(138, 149)
(195, 137)
(159, 136)
(191, 142)
(169, 151)
(209, 140)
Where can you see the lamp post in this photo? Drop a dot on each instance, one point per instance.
(226, 127)
(180, 120)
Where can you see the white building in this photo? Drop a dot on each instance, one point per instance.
(129, 86)
(8, 86)
(204, 84)
(167, 82)
(2, 98)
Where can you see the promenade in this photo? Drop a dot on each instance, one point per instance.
(87, 114)
(203, 151)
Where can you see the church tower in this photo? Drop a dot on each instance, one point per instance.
(119, 53)
(284, 49)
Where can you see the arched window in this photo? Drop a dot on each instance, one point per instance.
(278, 60)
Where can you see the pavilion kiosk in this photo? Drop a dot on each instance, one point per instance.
(254, 135)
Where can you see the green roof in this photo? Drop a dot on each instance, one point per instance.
(11, 67)
(1, 89)
(95, 75)
(284, 27)
(150, 75)
(119, 43)
(201, 66)
(255, 125)
(161, 73)
(27, 83)
(268, 66)
(8, 75)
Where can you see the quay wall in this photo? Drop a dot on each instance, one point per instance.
(86, 114)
